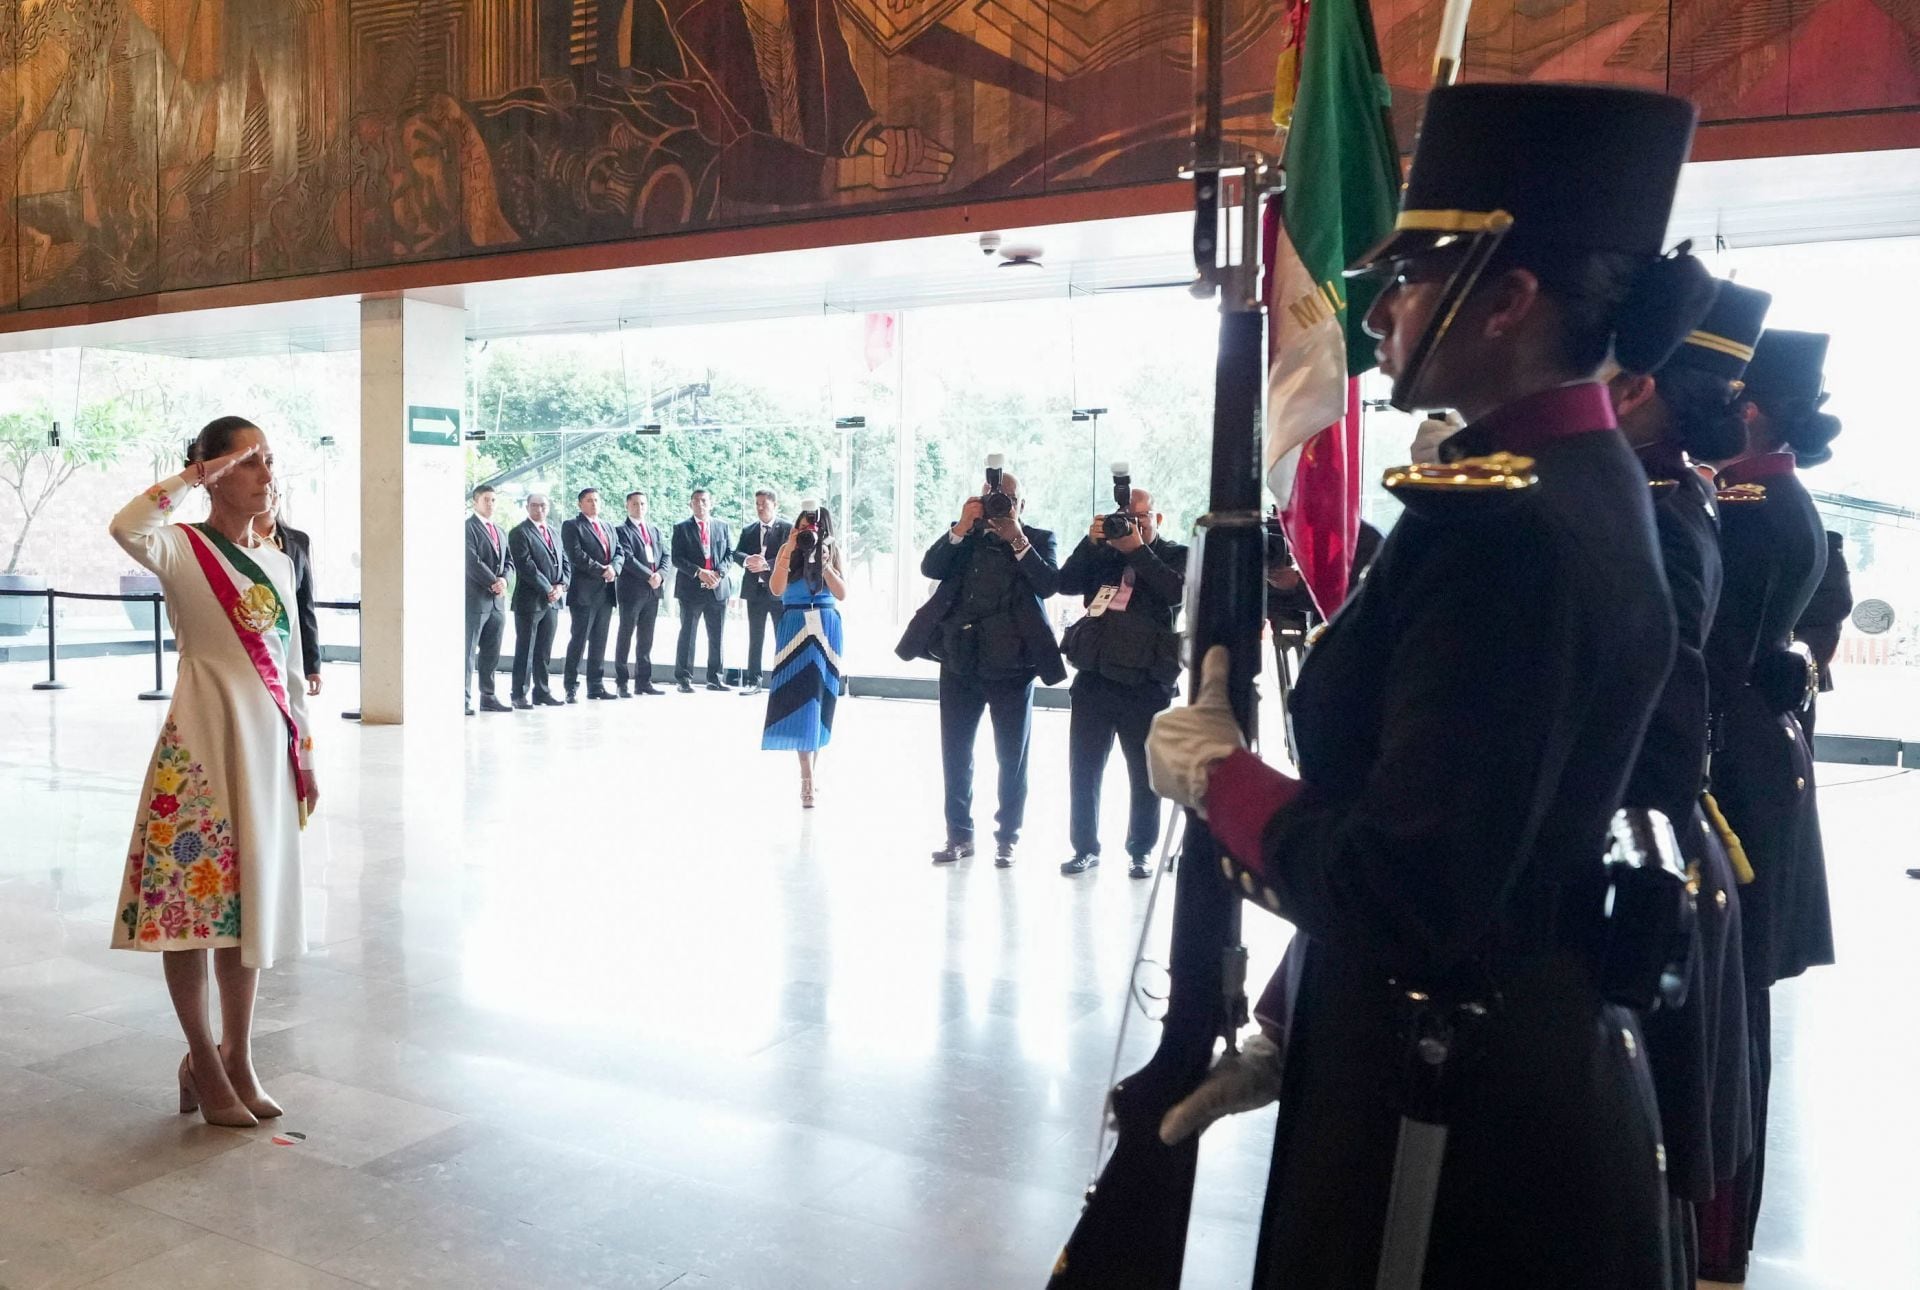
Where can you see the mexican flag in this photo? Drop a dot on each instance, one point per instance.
(1343, 183)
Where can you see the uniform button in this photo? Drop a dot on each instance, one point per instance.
(1788, 732)
(1660, 1155)
(1626, 1037)
(1799, 784)
(1720, 899)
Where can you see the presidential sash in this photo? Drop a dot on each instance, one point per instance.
(254, 607)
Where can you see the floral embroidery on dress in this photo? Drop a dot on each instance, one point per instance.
(186, 874)
(160, 497)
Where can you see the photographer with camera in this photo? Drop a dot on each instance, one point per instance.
(985, 626)
(1126, 656)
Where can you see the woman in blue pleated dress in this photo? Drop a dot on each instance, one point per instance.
(808, 578)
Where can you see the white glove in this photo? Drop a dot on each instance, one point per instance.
(1433, 432)
(1239, 1082)
(1186, 743)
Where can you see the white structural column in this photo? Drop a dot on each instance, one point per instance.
(412, 376)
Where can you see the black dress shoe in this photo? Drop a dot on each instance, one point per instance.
(1140, 867)
(1080, 864)
(953, 851)
(521, 705)
(601, 693)
(490, 704)
(547, 701)
(1003, 855)
(751, 687)
(623, 693)
(469, 709)
(685, 687)
(721, 686)
(573, 696)
(649, 689)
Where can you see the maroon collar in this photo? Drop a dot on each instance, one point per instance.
(1533, 420)
(1765, 465)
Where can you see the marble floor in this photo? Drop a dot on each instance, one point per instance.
(592, 1002)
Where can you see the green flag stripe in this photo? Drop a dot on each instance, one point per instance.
(1342, 163)
(244, 563)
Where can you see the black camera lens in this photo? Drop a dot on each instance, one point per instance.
(996, 506)
(805, 541)
(1116, 525)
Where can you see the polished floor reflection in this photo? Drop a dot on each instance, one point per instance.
(593, 1002)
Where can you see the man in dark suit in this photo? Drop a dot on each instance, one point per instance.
(703, 583)
(986, 626)
(643, 580)
(299, 550)
(486, 599)
(596, 556)
(1126, 656)
(760, 542)
(540, 573)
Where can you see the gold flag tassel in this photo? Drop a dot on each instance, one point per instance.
(1742, 867)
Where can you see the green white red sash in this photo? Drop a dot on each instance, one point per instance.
(253, 607)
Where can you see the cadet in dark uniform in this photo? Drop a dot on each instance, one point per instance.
(1820, 622)
(1688, 412)
(1774, 552)
(1467, 722)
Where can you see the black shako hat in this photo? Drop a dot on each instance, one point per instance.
(1723, 344)
(1788, 365)
(1565, 167)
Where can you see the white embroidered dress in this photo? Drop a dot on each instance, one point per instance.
(215, 855)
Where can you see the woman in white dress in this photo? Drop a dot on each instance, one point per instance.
(214, 863)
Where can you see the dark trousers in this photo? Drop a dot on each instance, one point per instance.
(588, 636)
(692, 613)
(1102, 712)
(962, 700)
(486, 623)
(636, 629)
(532, 648)
(1728, 1221)
(762, 609)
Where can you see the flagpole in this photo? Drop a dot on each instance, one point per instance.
(1453, 39)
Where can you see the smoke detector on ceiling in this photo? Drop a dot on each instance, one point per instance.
(1021, 256)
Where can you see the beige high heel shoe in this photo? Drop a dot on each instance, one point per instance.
(235, 1117)
(806, 792)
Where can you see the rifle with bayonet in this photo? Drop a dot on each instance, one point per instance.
(1132, 1233)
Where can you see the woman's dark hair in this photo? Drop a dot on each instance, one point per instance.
(809, 558)
(216, 438)
(1709, 421)
(1799, 426)
(1628, 307)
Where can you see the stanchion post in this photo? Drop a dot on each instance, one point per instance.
(53, 681)
(359, 635)
(159, 690)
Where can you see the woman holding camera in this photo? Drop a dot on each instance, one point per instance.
(810, 583)
(214, 863)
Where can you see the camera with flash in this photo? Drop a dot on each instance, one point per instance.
(994, 504)
(1121, 522)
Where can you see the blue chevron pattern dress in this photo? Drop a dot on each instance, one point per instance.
(806, 671)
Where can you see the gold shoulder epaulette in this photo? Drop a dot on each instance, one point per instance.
(1501, 473)
(1740, 494)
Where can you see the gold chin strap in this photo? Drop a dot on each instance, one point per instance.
(1721, 345)
(1487, 230)
(1434, 221)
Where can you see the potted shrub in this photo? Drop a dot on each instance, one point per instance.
(35, 463)
(138, 582)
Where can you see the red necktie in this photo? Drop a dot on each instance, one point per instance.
(602, 535)
(547, 538)
(493, 533)
(705, 545)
